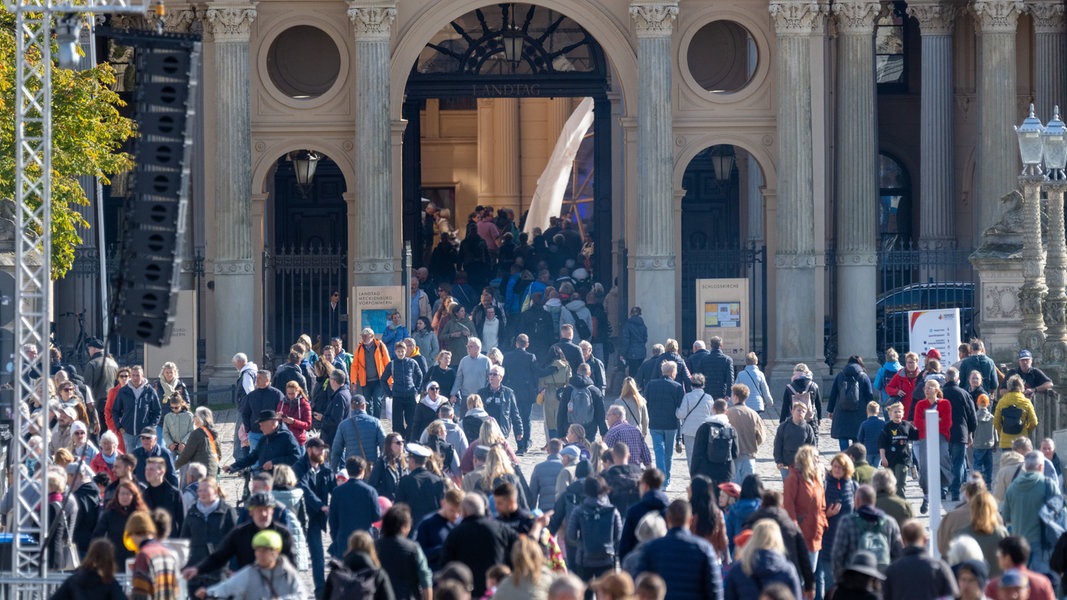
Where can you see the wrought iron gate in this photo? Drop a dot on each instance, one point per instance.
(748, 261)
(297, 282)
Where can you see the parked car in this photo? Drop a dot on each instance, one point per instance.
(892, 310)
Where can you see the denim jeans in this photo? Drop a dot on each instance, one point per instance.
(983, 462)
(958, 460)
(824, 576)
(253, 441)
(746, 465)
(844, 443)
(663, 447)
(690, 441)
(874, 459)
(132, 442)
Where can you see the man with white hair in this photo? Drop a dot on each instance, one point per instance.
(478, 541)
(368, 364)
(472, 374)
(246, 382)
(700, 350)
(664, 396)
(621, 431)
(1024, 500)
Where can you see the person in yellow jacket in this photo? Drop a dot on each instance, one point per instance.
(1015, 415)
(372, 353)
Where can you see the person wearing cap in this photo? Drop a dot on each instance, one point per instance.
(136, 407)
(270, 576)
(150, 448)
(318, 482)
(237, 544)
(361, 434)
(1034, 379)
(916, 574)
(80, 446)
(100, 373)
(61, 435)
(353, 507)
(971, 577)
(368, 364)
(1014, 585)
(420, 489)
(155, 568)
(278, 446)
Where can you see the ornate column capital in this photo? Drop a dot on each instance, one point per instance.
(997, 16)
(230, 23)
(934, 19)
(372, 22)
(856, 17)
(654, 19)
(1048, 16)
(793, 17)
(182, 20)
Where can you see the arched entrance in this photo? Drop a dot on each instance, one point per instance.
(305, 252)
(482, 64)
(721, 233)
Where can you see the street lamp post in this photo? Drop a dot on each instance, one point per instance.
(1032, 294)
(1055, 155)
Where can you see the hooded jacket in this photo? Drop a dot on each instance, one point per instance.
(846, 422)
(576, 309)
(1022, 503)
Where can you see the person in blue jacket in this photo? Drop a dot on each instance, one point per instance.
(277, 447)
(760, 562)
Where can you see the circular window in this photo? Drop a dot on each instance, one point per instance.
(303, 62)
(722, 57)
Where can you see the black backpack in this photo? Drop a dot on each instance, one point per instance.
(721, 439)
(848, 394)
(624, 483)
(346, 584)
(595, 534)
(580, 406)
(1011, 419)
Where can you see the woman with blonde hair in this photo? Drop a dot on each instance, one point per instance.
(499, 469)
(804, 499)
(840, 499)
(761, 562)
(631, 399)
(496, 357)
(596, 456)
(986, 527)
(934, 400)
(530, 577)
(488, 435)
(178, 424)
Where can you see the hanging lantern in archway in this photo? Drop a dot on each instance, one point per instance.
(304, 164)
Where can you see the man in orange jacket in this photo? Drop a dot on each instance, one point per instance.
(371, 353)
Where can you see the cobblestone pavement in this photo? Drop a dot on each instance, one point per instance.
(765, 466)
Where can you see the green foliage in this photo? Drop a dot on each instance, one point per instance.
(87, 137)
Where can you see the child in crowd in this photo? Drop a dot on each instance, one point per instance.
(894, 444)
(870, 430)
(493, 577)
(985, 438)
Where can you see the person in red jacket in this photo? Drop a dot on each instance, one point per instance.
(295, 411)
(933, 401)
(901, 386)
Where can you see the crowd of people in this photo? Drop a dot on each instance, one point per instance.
(391, 470)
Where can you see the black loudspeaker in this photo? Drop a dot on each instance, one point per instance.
(152, 239)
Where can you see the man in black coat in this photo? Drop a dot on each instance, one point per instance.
(648, 369)
(278, 446)
(663, 396)
(209, 520)
(353, 507)
(700, 350)
(318, 482)
(160, 494)
(536, 323)
(420, 489)
(652, 499)
(499, 401)
(264, 397)
(150, 448)
(718, 370)
(87, 496)
(964, 422)
(478, 541)
(571, 351)
(290, 371)
(237, 544)
(520, 374)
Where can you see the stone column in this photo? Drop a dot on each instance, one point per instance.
(937, 162)
(230, 27)
(1032, 293)
(508, 172)
(1050, 54)
(996, 21)
(856, 179)
(1055, 311)
(795, 264)
(375, 261)
(655, 266)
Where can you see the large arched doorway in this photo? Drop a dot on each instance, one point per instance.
(722, 234)
(484, 70)
(306, 242)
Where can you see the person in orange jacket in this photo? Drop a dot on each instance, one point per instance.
(370, 352)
